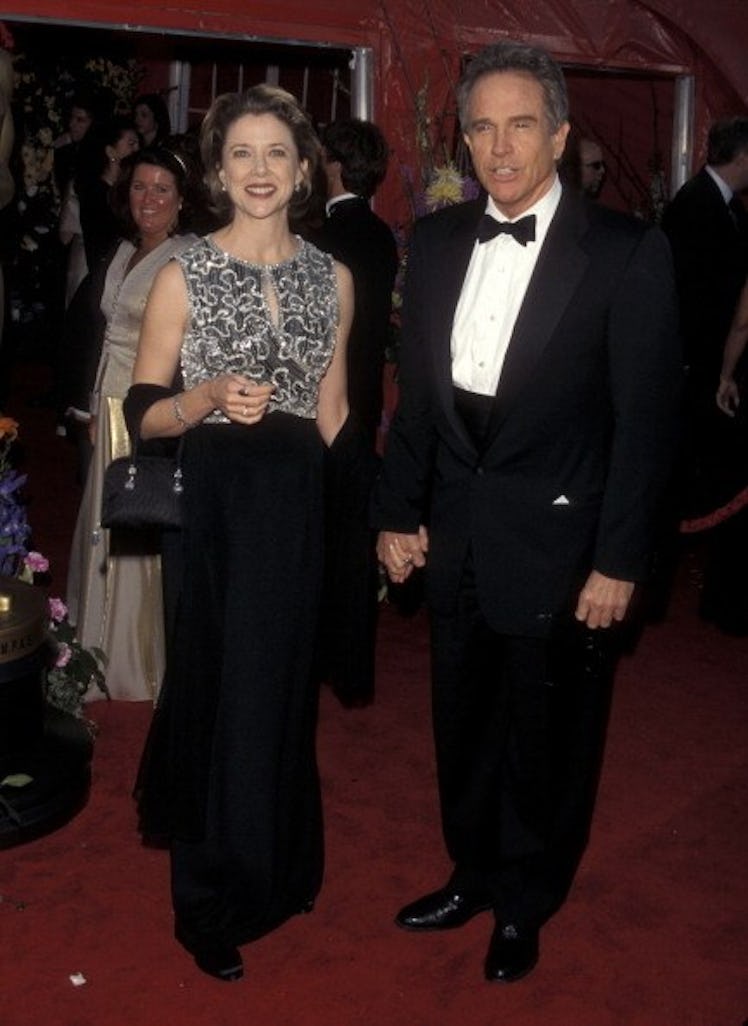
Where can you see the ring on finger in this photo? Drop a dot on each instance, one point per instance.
(245, 411)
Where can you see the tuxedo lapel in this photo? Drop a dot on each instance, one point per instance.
(559, 269)
(449, 278)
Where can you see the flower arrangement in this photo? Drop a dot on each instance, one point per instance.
(14, 527)
(76, 669)
(444, 172)
(73, 669)
(442, 184)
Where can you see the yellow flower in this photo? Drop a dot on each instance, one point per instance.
(445, 187)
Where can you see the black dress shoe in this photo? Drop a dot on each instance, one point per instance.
(442, 910)
(512, 954)
(220, 960)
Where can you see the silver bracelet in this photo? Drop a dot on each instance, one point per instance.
(180, 415)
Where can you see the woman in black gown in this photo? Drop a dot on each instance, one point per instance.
(254, 321)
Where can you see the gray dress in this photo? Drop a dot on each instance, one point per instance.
(229, 773)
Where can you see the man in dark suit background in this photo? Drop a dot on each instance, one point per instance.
(530, 447)
(355, 162)
(707, 225)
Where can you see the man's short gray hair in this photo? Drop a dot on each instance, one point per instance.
(512, 56)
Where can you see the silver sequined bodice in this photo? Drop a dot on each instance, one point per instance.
(273, 323)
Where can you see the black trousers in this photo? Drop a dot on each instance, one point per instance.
(519, 727)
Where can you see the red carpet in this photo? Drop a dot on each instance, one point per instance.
(653, 934)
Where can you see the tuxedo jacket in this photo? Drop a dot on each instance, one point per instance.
(710, 252)
(585, 420)
(365, 244)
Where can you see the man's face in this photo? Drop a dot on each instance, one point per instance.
(332, 170)
(592, 167)
(79, 124)
(741, 171)
(508, 134)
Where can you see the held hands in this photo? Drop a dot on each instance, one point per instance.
(603, 600)
(399, 553)
(728, 396)
(242, 400)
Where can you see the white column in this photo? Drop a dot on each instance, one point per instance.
(681, 162)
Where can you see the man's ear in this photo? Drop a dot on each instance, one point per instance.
(559, 140)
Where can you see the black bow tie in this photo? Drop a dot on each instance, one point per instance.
(523, 230)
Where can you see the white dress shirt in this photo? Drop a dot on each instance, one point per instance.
(724, 188)
(495, 284)
(339, 199)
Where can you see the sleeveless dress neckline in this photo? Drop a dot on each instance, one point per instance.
(249, 263)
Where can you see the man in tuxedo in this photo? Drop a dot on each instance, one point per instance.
(355, 163)
(707, 225)
(532, 441)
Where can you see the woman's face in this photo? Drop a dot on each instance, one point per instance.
(154, 201)
(260, 166)
(145, 122)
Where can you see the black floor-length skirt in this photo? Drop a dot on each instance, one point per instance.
(229, 773)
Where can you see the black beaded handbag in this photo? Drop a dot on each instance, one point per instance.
(143, 491)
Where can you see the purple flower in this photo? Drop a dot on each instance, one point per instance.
(11, 483)
(57, 610)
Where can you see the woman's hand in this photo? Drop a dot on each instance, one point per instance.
(241, 399)
(728, 396)
(401, 553)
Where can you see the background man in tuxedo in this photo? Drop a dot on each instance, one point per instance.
(707, 226)
(356, 156)
(355, 163)
(523, 468)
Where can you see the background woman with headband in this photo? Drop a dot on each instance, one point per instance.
(114, 582)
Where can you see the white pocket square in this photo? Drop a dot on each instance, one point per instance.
(561, 501)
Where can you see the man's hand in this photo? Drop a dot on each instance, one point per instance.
(603, 600)
(399, 553)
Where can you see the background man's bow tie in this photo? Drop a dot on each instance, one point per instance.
(523, 230)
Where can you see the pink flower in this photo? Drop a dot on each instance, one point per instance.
(57, 609)
(64, 655)
(36, 562)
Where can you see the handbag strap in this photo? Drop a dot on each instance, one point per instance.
(132, 469)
